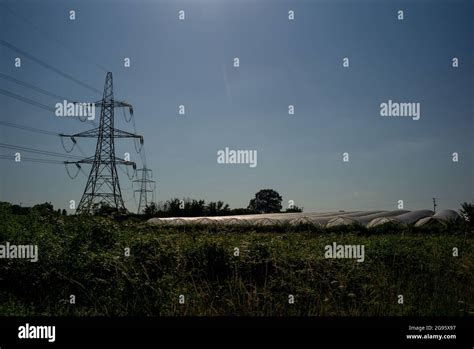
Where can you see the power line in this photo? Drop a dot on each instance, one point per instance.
(140, 150)
(33, 87)
(45, 161)
(28, 128)
(37, 151)
(125, 172)
(37, 104)
(37, 130)
(51, 94)
(48, 66)
(39, 30)
(27, 100)
(144, 190)
(82, 152)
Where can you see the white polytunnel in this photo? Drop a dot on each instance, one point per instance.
(438, 218)
(336, 221)
(446, 215)
(364, 220)
(413, 216)
(369, 219)
(381, 221)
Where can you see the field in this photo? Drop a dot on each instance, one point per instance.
(87, 257)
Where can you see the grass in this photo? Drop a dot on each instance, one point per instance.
(85, 257)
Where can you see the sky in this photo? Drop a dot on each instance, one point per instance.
(282, 62)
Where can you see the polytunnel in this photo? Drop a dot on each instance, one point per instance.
(369, 219)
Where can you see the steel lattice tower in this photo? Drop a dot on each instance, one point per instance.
(144, 189)
(103, 185)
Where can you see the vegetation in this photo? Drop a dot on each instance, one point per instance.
(294, 209)
(467, 212)
(266, 201)
(187, 208)
(87, 257)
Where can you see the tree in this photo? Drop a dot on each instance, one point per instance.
(294, 209)
(103, 209)
(212, 208)
(222, 207)
(196, 208)
(44, 208)
(151, 209)
(266, 201)
(467, 212)
(173, 207)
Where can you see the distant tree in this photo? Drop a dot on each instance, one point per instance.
(222, 208)
(467, 213)
(64, 212)
(190, 208)
(294, 209)
(217, 208)
(212, 208)
(44, 208)
(19, 210)
(197, 208)
(151, 209)
(103, 209)
(240, 211)
(266, 201)
(173, 207)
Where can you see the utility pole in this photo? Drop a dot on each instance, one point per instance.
(434, 205)
(103, 185)
(144, 188)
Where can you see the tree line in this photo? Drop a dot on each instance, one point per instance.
(265, 201)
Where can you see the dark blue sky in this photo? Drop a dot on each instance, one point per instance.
(281, 62)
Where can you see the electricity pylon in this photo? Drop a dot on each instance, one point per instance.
(144, 188)
(103, 185)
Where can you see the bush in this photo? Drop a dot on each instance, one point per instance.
(85, 256)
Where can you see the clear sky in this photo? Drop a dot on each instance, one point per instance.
(282, 62)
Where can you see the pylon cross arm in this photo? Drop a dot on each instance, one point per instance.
(124, 134)
(94, 133)
(117, 104)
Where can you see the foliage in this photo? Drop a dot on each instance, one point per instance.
(44, 209)
(151, 209)
(85, 256)
(266, 201)
(467, 212)
(187, 208)
(294, 209)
